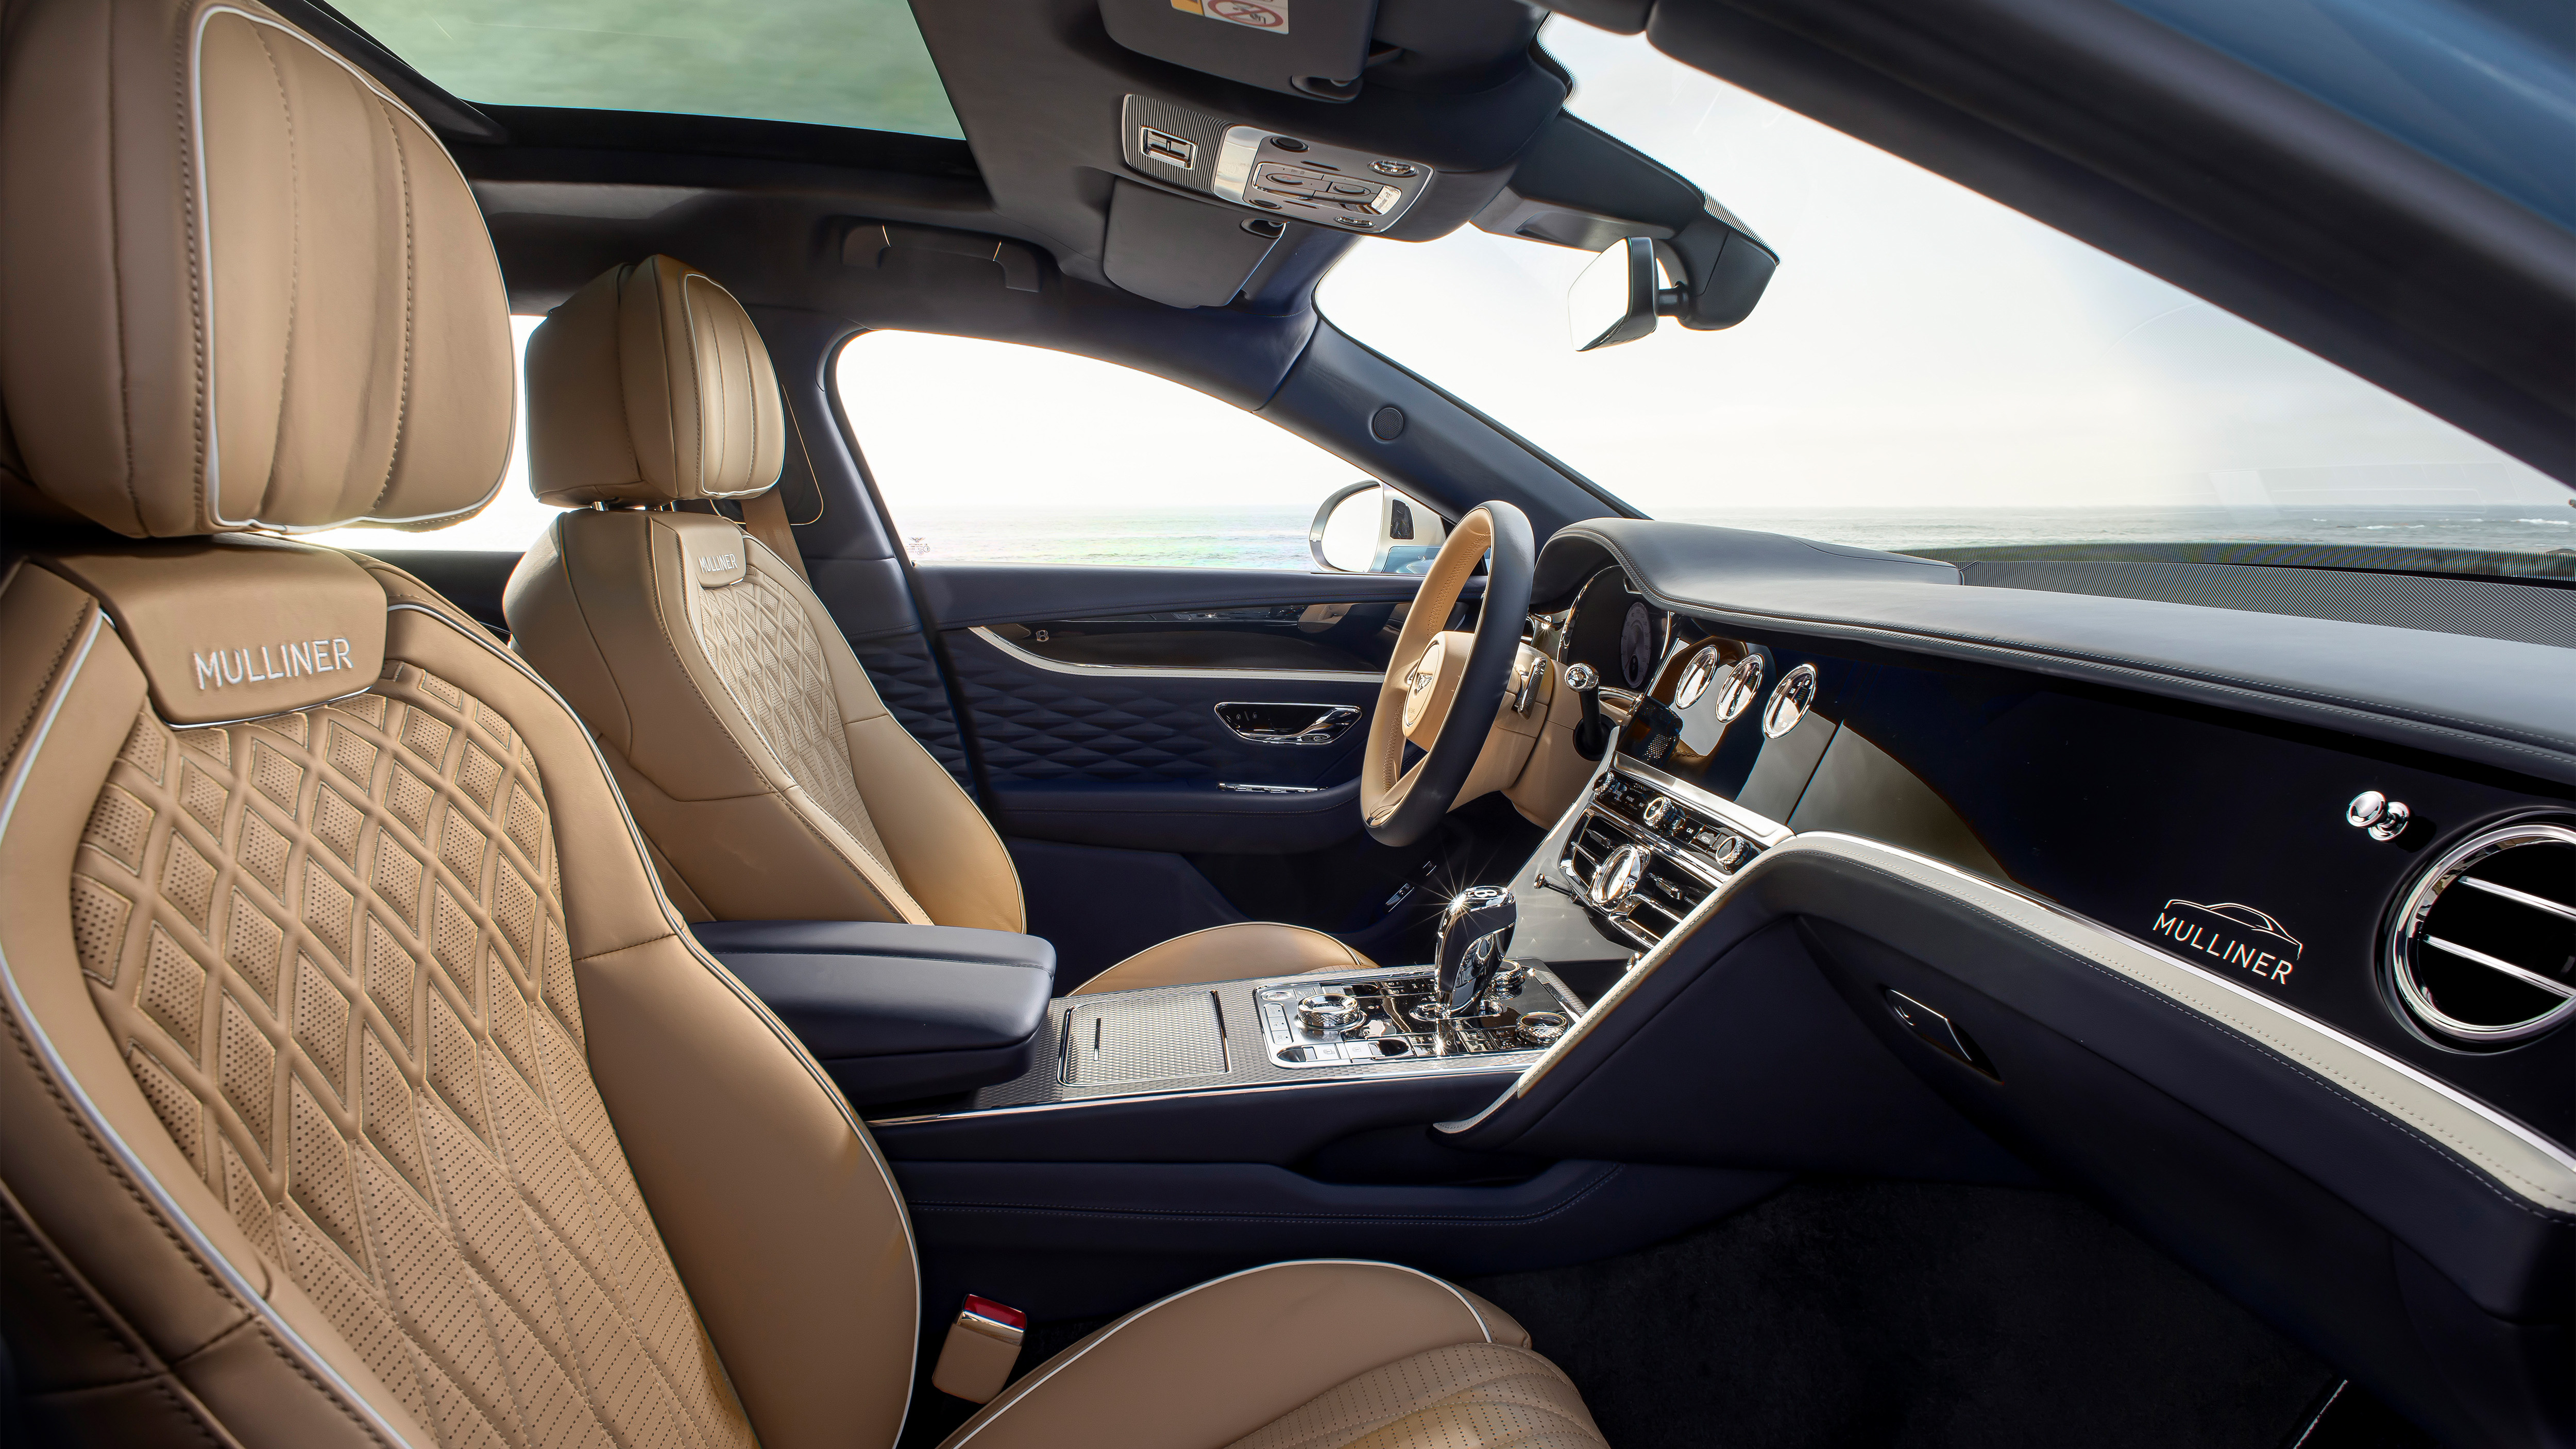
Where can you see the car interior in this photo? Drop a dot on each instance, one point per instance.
(1530, 974)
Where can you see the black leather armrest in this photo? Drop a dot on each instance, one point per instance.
(897, 1012)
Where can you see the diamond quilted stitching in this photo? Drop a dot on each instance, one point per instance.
(763, 647)
(462, 1210)
(1033, 728)
(907, 679)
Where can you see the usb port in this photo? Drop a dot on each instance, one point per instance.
(1167, 148)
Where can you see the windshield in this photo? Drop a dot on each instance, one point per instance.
(1929, 371)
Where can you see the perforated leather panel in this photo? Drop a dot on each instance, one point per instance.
(1472, 1396)
(331, 943)
(763, 647)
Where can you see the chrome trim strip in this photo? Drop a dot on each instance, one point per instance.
(1073, 1103)
(2532, 1166)
(2520, 898)
(2404, 928)
(1269, 789)
(2527, 978)
(1762, 828)
(1234, 156)
(1019, 655)
(215, 1258)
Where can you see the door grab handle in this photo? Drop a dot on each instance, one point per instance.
(1287, 724)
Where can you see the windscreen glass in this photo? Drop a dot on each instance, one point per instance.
(1931, 371)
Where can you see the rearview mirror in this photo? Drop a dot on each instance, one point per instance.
(1369, 528)
(1615, 300)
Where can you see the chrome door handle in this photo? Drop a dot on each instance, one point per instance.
(1287, 724)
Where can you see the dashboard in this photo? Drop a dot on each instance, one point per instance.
(2200, 832)
(2263, 929)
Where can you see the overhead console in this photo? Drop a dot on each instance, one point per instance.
(1290, 177)
(1401, 118)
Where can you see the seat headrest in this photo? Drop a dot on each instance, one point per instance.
(650, 385)
(281, 311)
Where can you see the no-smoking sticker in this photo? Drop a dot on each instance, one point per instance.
(1270, 15)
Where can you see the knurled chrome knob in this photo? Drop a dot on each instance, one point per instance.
(1331, 1011)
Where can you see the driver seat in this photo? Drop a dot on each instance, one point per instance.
(771, 780)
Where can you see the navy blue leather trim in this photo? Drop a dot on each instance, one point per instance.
(1069, 1239)
(1196, 818)
(2512, 1258)
(961, 595)
(1036, 724)
(896, 1012)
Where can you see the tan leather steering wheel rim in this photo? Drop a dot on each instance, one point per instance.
(1400, 806)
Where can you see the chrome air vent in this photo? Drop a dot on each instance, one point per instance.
(2483, 952)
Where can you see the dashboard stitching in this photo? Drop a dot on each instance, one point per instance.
(2435, 722)
(2478, 1172)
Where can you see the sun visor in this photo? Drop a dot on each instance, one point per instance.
(1179, 252)
(238, 627)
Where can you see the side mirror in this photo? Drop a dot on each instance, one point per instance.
(1369, 528)
(1616, 299)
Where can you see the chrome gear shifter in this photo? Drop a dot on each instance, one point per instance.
(1475, 930)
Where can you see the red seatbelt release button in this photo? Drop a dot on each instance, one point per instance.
(982, 1348)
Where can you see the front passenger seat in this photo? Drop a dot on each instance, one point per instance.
(772, 781)
(362, 1087)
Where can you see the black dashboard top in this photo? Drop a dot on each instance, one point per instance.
(2497, 703)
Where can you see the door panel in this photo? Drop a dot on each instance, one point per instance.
(1105, 761)
(961, 595)
(1038, 720)
(907, 677)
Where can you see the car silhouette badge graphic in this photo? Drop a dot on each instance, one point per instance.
(2234, 935)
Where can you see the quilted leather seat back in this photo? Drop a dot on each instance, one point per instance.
(332, 945)
(360, 1085)
(765, 768)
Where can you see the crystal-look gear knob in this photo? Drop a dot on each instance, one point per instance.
(1475, 930)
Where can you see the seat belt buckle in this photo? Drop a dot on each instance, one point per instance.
(983, 1345)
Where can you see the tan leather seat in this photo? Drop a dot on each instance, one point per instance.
(361, 1085)
(769, 777)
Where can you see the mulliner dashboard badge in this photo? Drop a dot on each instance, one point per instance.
(2232, 935)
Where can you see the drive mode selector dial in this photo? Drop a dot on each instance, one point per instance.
(1331, 1011)
(1615, 880)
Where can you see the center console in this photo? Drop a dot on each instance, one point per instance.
(1646, 848)
(1476, 1010)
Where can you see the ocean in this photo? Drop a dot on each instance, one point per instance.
(1275, 538)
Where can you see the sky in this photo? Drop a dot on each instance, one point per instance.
(1920, 348)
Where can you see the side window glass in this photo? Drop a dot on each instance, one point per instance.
(991, 452)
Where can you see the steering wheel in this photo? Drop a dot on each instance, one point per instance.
(1444, 687)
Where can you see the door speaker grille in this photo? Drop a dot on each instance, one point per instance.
(2483, 952)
